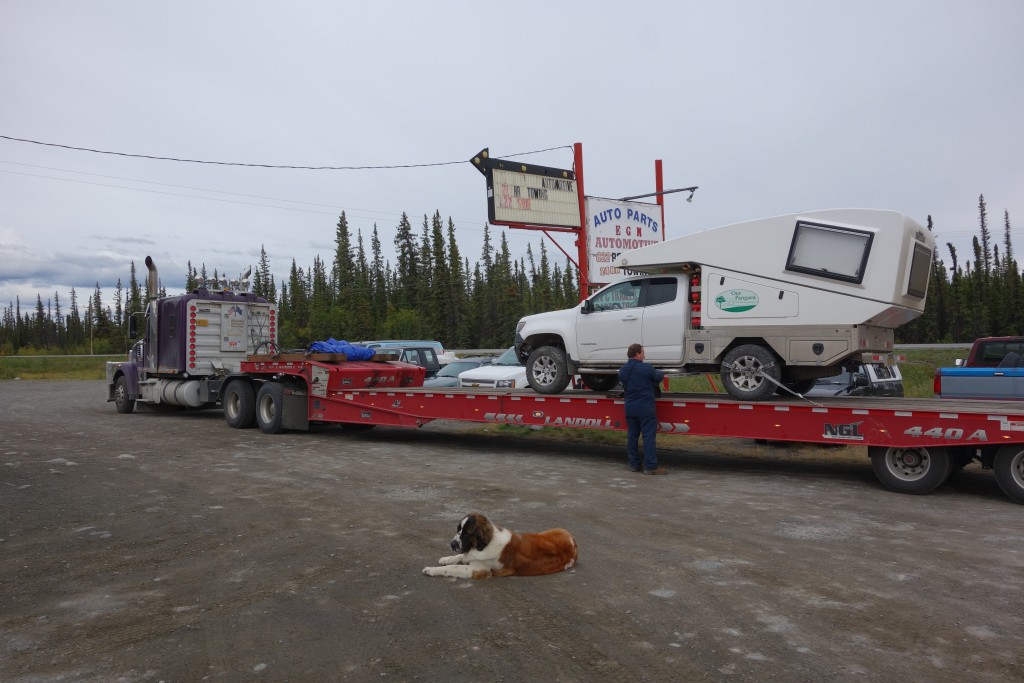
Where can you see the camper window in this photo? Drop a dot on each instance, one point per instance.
(829, 251)
(920, 268)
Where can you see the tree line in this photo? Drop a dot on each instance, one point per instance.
(433, 291)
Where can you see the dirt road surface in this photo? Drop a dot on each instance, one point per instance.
(169, 547)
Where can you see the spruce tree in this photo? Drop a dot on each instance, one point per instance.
(406, 265)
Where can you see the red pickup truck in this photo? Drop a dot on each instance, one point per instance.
(990, 352)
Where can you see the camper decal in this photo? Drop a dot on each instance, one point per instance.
(736, 300)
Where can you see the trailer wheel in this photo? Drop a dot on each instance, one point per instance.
(1009, 469)
(599, 382)
(910, 470)
(270, 407)
(239, 405)
(547, 370)
(122, 400)
(745, 372)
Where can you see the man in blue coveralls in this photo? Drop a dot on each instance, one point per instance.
(638, 381)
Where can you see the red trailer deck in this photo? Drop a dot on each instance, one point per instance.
(914, 444)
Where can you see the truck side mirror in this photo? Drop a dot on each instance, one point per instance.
(861, 380)
(587, 307)
(133, 327)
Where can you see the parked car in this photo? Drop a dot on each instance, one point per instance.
(424, 356)
(443, 357)
(869, 379)
(448, 376)
(506, 372)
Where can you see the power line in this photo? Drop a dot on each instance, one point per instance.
(349, 211)
(237, 163)
(182, 187)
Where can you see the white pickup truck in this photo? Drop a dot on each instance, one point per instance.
(771, 304)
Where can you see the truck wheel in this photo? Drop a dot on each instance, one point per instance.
(1009, 469)
(239, 405)
(599, 382)
(122, 400)
(910, 470)
(270, 407)
(547, 370)
(744, 370)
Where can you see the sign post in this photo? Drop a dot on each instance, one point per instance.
(531, 197)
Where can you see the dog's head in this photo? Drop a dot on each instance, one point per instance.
(474, 533)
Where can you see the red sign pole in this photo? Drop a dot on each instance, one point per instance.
(659, 185)
(581, 234)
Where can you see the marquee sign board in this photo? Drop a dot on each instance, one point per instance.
(615, 226)
(528, 194)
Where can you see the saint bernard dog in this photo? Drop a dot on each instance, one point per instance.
(485, 549)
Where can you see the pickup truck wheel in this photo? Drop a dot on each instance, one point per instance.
(910, 470)
(1009, 469)
(547, 371)
(744, 372)
(599, 382)
(239, 405)
(270, 407)
(122, 400)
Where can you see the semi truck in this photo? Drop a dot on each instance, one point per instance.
(771, 304)
(190, 344)
(914, 444)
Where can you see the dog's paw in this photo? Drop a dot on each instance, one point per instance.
(431, 571)
(451, 559)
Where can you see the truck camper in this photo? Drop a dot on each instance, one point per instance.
(771, 304)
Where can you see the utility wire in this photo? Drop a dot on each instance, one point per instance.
(236, 163)
(352, 213)
(182, 187)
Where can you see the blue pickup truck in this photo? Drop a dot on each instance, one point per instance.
(984, 376)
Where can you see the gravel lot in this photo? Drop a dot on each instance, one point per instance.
(165, 546)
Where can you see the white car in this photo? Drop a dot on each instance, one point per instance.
(504, 373)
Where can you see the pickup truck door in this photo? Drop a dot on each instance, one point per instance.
(663, 319)
(614, 321)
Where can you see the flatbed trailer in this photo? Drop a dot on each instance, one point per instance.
(914, 444)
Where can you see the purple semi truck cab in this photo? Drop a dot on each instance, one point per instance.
(190, 343)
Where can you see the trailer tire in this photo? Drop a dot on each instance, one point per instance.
(745, 372)
(599, 382)
(911, 470)
(1009, 470)
(270, 408)
(122, 399)
(239, 402)
(547, 370)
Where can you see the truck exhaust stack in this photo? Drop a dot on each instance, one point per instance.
(152, 282)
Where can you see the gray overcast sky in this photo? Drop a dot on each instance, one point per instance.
(770, 107)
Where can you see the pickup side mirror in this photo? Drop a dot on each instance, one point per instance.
(958, 362)
(133, 327)
(861, 380)
(587, 307)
